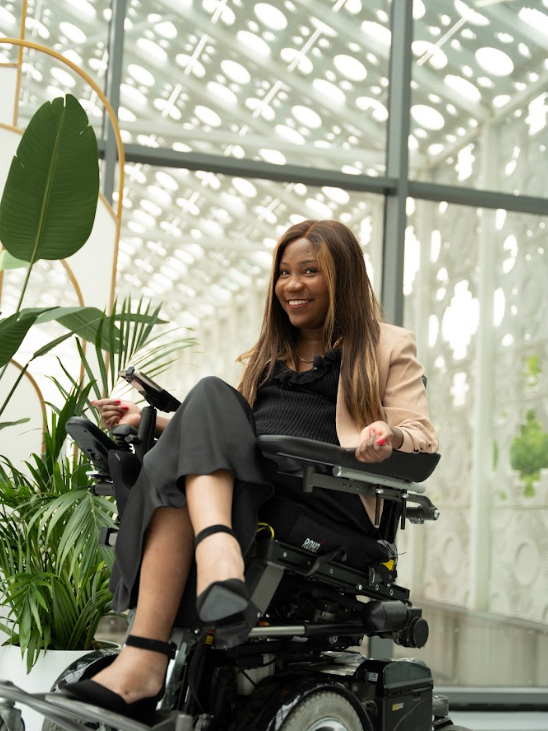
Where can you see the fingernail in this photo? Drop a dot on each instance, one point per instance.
(381, 441)
(118, 401)
(124, 408)
(93, 403)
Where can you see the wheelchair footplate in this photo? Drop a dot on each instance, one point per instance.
(69, 714)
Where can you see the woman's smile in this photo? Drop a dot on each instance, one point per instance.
(297, 303)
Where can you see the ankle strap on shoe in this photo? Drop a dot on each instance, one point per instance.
(209, 531)
(144, 643)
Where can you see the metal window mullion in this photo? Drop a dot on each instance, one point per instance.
(112, 91)
(397, 159)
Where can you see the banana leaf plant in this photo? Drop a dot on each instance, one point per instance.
(47, 211)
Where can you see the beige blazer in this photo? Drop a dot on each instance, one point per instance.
(403, 395)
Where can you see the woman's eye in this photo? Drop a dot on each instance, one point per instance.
(311, 270)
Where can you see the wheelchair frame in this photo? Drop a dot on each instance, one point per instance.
(265, 668)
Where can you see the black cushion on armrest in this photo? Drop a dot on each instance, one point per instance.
(91, 440)
(411, 467)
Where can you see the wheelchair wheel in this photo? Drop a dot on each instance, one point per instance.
(325, 711)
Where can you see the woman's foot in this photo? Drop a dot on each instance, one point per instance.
(135, 674)
(218, 558)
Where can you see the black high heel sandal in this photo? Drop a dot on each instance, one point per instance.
(221, 599)
(97, 695)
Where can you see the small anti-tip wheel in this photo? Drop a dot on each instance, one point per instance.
(11, 721)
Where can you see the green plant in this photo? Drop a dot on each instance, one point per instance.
(529, 452)
(53, 575)
(47, 212)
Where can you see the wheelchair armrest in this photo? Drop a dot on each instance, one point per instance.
(404, 466)
(91, 440)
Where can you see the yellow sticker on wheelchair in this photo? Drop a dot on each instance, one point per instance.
(398, 706)
(389, 564)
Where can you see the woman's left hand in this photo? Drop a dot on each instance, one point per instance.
(376, 442)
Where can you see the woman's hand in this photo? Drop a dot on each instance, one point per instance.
(115, 411)
(377, 442)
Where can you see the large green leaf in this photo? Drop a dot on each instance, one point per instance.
(50, 197)
(6, 424)
(82, 321)
(13, 330)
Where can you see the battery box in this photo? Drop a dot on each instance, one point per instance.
(402, 691)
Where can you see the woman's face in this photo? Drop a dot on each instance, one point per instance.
(301, 287)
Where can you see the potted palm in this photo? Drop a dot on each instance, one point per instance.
(53, 576)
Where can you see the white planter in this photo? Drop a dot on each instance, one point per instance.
(43, 675)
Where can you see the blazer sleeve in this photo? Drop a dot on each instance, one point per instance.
(404, 400)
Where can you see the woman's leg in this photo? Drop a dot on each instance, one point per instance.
(209, 499)
(167, 558)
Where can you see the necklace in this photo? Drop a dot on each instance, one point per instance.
(337, 341)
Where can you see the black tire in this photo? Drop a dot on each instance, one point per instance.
(325, 711)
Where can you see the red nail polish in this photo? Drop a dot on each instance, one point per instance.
(124, 408)
(381, 441)
(117, 401)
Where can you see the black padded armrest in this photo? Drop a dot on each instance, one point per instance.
(411, 467)
(91, 440)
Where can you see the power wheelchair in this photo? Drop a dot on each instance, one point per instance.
(285, 663)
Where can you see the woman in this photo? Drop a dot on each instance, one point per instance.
(324, 367)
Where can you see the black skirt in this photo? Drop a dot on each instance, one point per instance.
(213, 429)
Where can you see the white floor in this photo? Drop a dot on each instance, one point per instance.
(500, 721)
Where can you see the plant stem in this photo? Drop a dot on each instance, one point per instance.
(10, 394)
(25, 284)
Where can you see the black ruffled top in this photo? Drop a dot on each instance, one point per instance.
(300, 404)
(304, 405)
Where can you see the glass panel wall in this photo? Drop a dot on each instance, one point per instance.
(202, 243)
(302, 83)
(480, 79)
(76, 29)
(477, 298)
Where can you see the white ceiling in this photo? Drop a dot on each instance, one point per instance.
(297, 82)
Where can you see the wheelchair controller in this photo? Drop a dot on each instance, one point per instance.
(288, 663)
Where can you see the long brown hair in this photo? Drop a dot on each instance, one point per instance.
(354, 315)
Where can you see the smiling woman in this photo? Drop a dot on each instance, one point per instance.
(324, 367)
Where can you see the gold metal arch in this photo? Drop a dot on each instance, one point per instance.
(38, 393)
